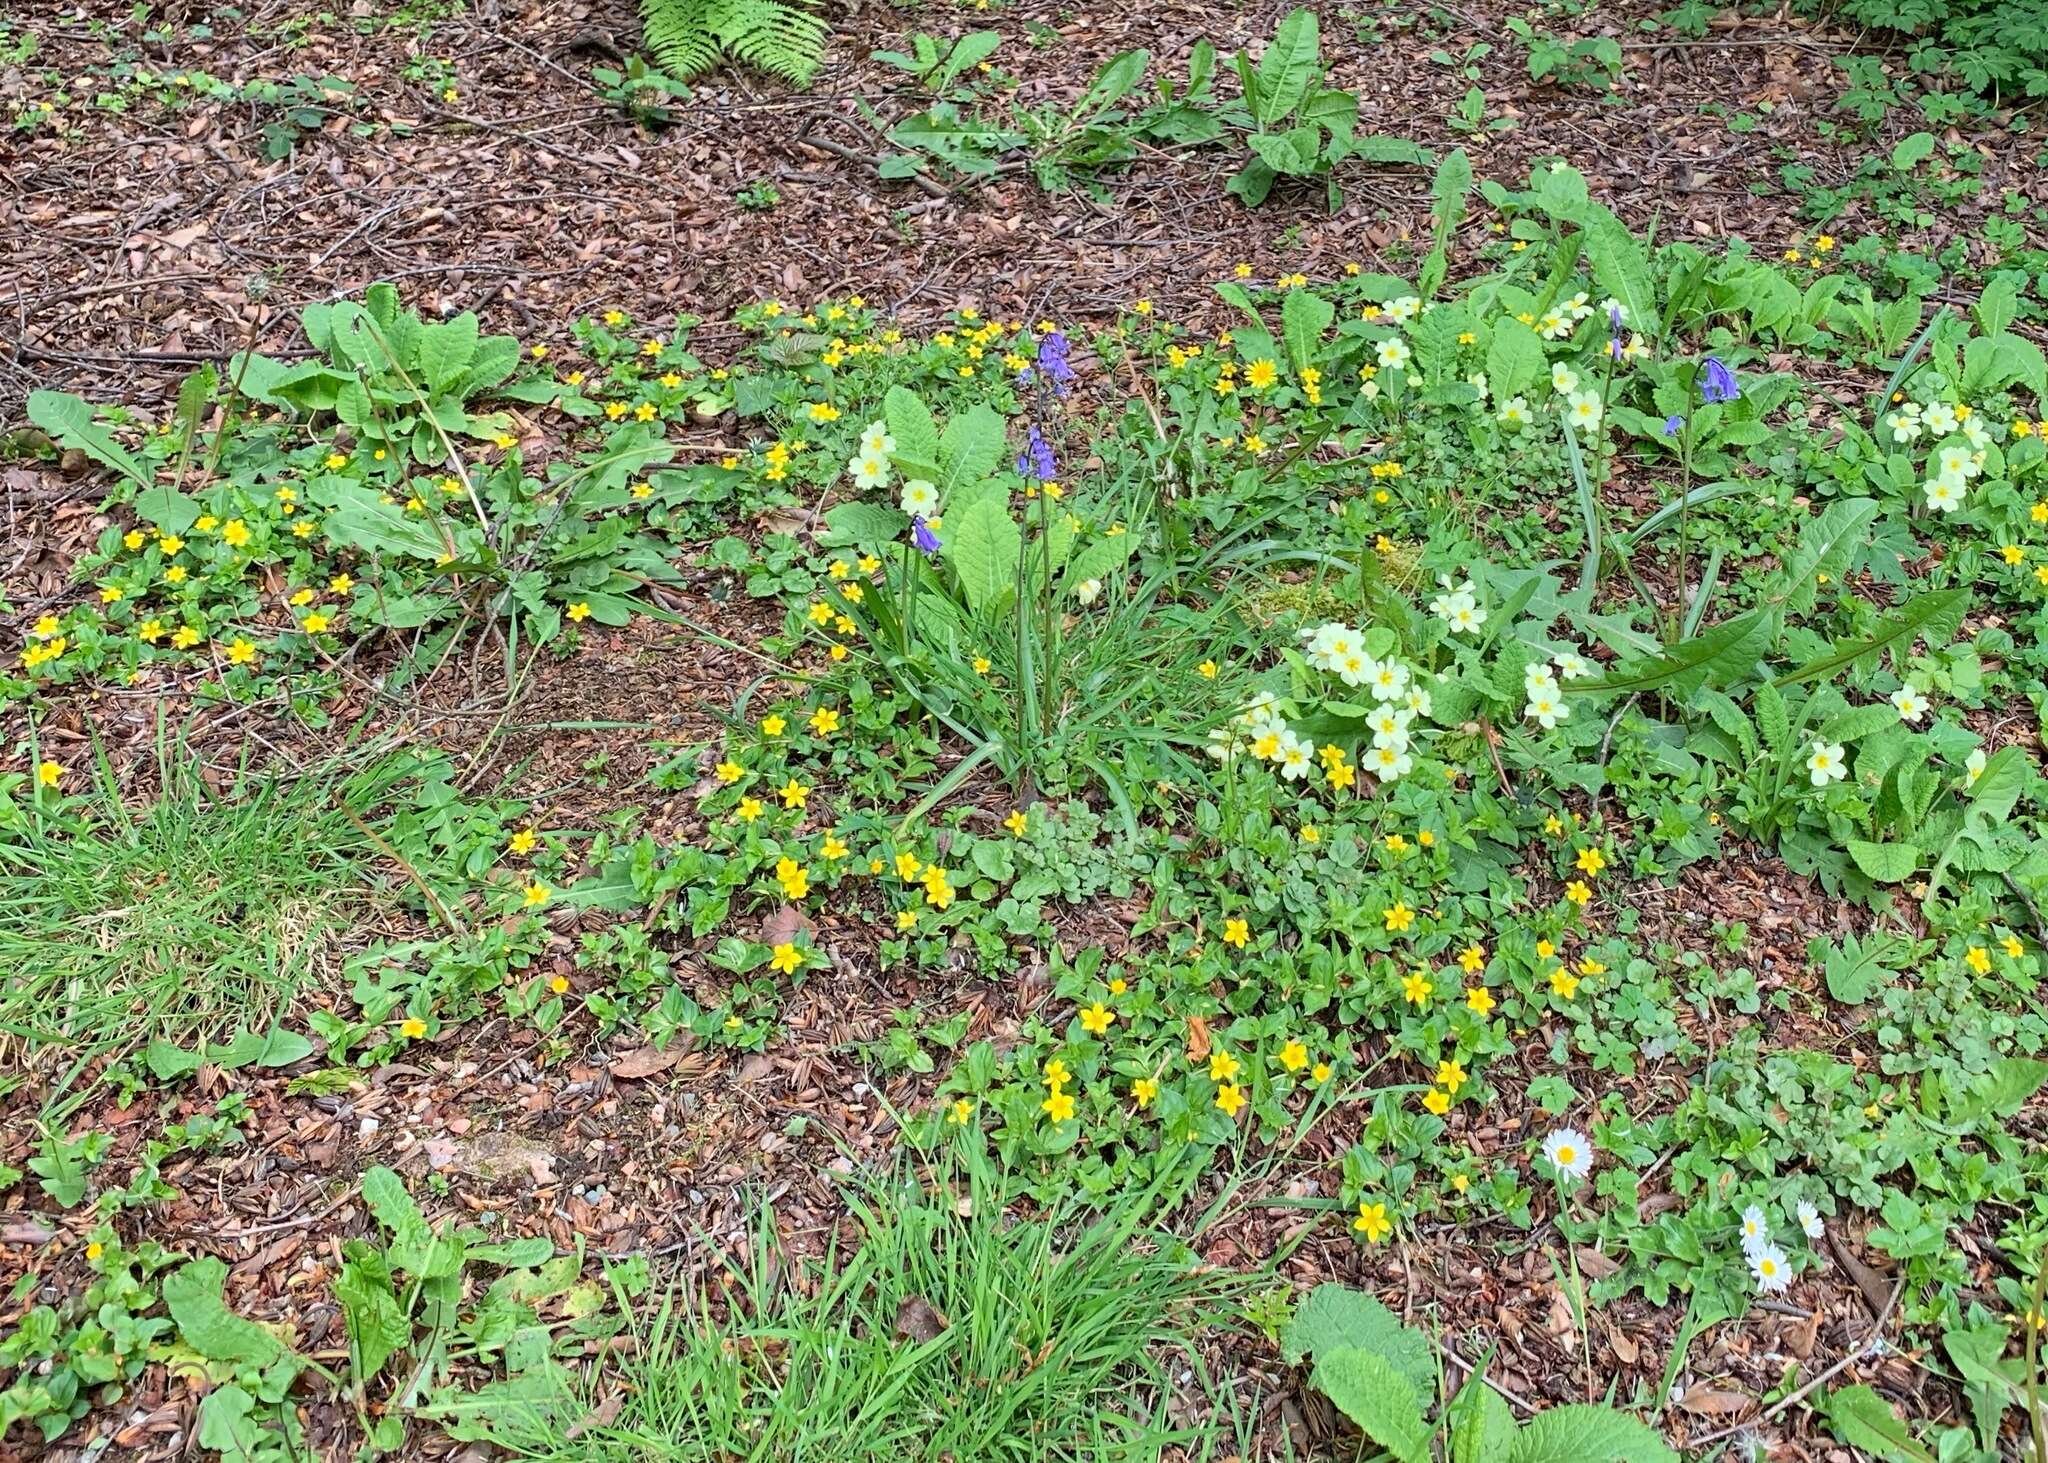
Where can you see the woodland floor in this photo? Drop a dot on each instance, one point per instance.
(163, 239)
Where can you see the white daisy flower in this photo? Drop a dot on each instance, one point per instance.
(1756, 1230)
(1768, 1266)
(1570, 1152)
(1809, 1220)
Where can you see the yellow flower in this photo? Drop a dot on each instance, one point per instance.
(794, 794)
(1207, 670)
(412, 1028)
(1480, 999)
(1577, 892)
(1372, 1222)
(49, 774)
(1552, 826)
(1261, 373)
(133, 540)
(240, 651)
(2012, 947)
(1117, 986)
(536, 894)
(906, 919)
(341, 584)
(824, 721)
(1143, 1091)
(1451, 1074)
(1564, 983)
(579, 611)
(772, 726)
(1236, 932)
(315, 623)
(1229, 1097)
(1293, 1056)
(1058, 1106)
(235, 532)
(833, 848)
(728, 772)
(1590, 861)
(1978, 959)
(786, 959)
(749, 809)
(1097, 1019)
(559, 984)
(1321, 1071)
(960, 1111)
(1398, 917)
(1017, 822)
(1436, 1100)
(523, 842)
(1472, 959)
(1222, 1066)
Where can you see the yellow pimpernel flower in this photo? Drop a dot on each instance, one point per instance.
(748, 810)
(794, 794)
(1416, 988)
(1451, 1074)
(1143, 1091)
(1978, 959)
(772, 726)
(1398, 917)
(559, 984)
(1294, 1055)
(1578, 892)
(524, 842)
(1590, 861)
(1480, 999)
(1097, 1019)
(1230, 1097)
(1563, 983)
(412, 1028)
(536, 894)
(1472, 959)
(824, 721)
(960, 1111)
(49, 774)
(785, 959)
(1017, 822)
(1236, 933)
(1222, 1066)
(1372, 1222)
(728, 772)
(1437, 1101)
(240, 651)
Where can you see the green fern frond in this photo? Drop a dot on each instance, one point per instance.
(689, 37)
(773, 36)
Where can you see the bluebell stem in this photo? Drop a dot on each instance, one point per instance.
(1717, 382)
(922, 536)
(1614, 347)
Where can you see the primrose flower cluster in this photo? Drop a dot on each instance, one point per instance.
(1961, 444)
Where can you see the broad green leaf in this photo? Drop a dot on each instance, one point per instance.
(1304, 316)
(68, 421)
(969, 448)
(192, 1295)
(1935, 614)
(227, 1423)
(1719, 652)
(166, 507)
(1368, 1389)
(1376, 148)
(1585, 1432)
(1514, 359)
(1826, 544)
(982, 543)
(1621, 269)
(868, 524)
(1480, 1424)
(1998, 787)
(1336, 1316)
(1289, 67)
(916, 434)
(369, 1309)
(446, 349)
(1447, 197)
(1887, 863)
(361, 519)
(1863, 1419)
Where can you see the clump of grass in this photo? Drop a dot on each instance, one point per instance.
(204, 910)
(947, 1329)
